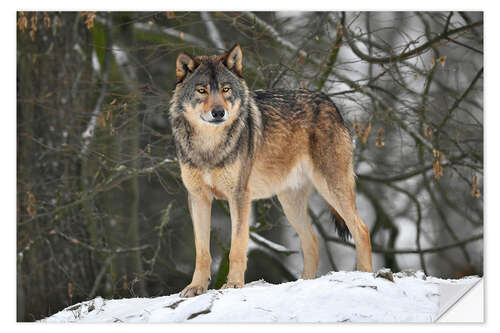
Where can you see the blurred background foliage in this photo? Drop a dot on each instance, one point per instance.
(101, 209)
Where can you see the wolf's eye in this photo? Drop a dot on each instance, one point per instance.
(201, 90)
(226, 89)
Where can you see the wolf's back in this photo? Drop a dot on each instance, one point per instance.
(299, 106)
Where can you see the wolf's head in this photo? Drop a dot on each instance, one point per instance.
(210, 89)
(212, 112)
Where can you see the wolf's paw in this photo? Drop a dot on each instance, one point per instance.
(231, 284)
(193, 290)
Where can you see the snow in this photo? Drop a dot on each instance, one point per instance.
(334, 297)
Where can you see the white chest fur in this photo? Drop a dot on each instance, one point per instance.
(207, 178)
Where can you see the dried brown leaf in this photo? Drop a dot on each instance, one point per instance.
(428, 131)
(89, 20)
(22, 21)
(46, 20)
(34, 21)
(380, 138)
(101, 121)
(475, 187)
(437, 164)
(367, 128)
(442, 60)
(31, 207)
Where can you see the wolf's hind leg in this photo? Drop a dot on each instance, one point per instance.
(338, 190)
(200, 208)
(295, 203)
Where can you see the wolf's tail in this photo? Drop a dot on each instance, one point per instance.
(340, 225)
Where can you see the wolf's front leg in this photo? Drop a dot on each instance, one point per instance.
(240, 216)
(200, 209)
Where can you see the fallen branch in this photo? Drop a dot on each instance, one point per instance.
(264, 242)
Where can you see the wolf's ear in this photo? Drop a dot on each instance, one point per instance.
(233, 59)
(183, 65)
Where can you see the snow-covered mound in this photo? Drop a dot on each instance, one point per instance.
(335, 297)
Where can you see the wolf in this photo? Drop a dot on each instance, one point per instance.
(237, 145)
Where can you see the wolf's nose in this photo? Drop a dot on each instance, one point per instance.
(218, 114)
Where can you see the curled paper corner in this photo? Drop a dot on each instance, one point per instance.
(461, 301)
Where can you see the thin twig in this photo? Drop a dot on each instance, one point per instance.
(324, 235)
(161, 231)
(99, 277)
(376, 249)
(333, 56)
(464, 45)
(457, 102)
(448, 20)
(418, 223)
(89, 247)
(401, 177)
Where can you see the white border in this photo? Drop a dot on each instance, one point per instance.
(8, 139)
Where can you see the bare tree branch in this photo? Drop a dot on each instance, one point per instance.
(409, 54)
(457, 102)
(89, 132)
(213, 32)
(181, 35)
(275, 34)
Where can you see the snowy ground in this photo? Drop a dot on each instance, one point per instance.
(335, 297)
